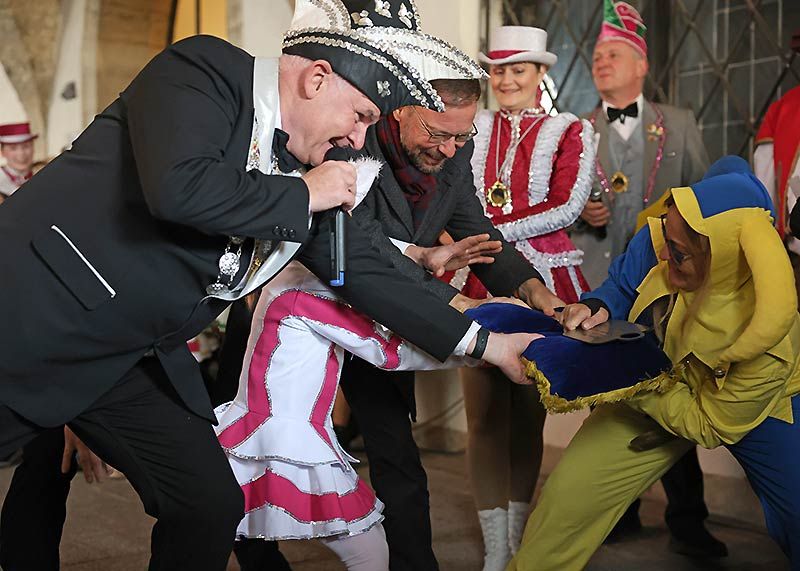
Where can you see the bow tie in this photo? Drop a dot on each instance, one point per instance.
(631, 110)
(287, 162)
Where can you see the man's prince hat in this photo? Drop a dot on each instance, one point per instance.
(623, 23)
(378, 47)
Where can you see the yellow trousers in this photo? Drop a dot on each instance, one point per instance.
(592, 486)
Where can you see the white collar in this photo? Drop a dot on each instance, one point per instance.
(15, 172)
(267, 117)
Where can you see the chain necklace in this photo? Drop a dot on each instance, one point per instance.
(499, 194)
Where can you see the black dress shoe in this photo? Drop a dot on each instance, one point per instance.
(628, 527)
(696, 541)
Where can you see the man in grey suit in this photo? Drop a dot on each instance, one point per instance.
(643, 149)
(426, 187)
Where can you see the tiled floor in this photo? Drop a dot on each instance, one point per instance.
(107, 530)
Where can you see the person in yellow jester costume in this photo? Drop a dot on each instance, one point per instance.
(714, 280)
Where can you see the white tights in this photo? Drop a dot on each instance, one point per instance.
(366, 551)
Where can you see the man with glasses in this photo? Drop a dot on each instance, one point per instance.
(425, 188)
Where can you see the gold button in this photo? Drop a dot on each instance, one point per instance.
(719, 373)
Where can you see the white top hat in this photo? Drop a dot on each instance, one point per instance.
(511, 44)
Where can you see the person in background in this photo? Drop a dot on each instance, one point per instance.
(643, 148)
(775, 162)
(532, 175)
(16, 148)
(712, 277)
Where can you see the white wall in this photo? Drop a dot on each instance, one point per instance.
(455, 21)
(258, 26)
(65, 119)
(11, 109)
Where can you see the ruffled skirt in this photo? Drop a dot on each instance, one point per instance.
(290, 494)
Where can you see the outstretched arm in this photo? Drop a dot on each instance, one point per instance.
(374, 343)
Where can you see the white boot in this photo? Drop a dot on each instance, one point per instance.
(494, 525)
(517, 518)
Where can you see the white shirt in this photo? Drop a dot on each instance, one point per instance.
(764, 168)
(625, 130)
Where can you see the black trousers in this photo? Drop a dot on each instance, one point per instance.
(35, 507)
(381, 402)
(252, 554)
(683, 485)
(169, 455)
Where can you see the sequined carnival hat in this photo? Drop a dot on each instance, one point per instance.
(378, 47)
(623, 23)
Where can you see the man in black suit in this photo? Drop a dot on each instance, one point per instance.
(426, 188)
(128, 244)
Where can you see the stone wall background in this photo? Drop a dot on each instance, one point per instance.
(119, 37)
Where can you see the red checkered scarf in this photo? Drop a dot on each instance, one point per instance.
(419, 188)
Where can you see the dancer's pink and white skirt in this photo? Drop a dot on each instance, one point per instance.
(290, 500)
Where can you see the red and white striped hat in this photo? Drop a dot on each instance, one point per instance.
(16, 133)
(512, 44)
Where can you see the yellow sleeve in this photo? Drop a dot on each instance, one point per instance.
(711, 416)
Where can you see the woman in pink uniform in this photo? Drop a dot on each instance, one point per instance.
(533, 175)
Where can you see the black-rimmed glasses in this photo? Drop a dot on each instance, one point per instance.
(441, 138)
(674, 252)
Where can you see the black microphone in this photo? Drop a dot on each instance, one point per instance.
(597, 196)
(338, 236)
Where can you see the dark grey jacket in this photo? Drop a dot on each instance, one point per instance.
(385, 213)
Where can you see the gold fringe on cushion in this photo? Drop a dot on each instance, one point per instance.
(556, 404)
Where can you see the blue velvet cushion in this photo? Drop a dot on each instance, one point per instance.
(571, 374)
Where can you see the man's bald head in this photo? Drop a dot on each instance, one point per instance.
(321, 110)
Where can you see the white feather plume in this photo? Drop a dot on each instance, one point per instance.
(367, 169)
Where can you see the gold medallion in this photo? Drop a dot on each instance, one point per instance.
(619, 182)
(498, 195)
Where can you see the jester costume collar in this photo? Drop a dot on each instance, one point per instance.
(748, 302)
